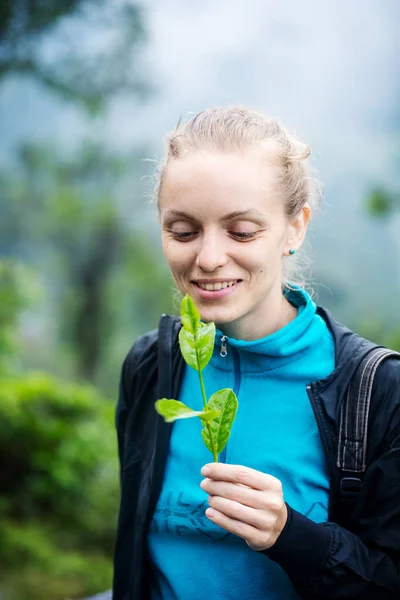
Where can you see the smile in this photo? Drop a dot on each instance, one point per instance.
(218, 285)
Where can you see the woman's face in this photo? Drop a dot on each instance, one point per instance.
(224, 235)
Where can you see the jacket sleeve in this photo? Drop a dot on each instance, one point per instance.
(121, 412)
(327, 561)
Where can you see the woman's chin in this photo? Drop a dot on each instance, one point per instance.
(219, 317)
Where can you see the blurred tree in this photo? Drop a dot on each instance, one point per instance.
(85, 50)
(11, 300)
(17, 288)
(61, 213)
(64, 215)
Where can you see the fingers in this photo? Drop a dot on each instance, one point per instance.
(246, 502)
(238, 493)
(240, 528)
(258, 528)
(239, 512)
(243, 475)
(257, 539)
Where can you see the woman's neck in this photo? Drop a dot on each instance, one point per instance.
(261, 322)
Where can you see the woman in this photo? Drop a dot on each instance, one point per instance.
(234, 199)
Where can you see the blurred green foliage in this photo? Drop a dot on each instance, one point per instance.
(374, 330)
(380, 202)
(80, 278)
(59, 475)
(12, 299)
(58, 490)
(65, 216)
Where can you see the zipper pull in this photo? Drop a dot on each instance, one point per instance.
(223, 351)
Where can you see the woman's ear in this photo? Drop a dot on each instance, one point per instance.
(297, 229)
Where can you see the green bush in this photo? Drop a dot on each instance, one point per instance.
(58, 490)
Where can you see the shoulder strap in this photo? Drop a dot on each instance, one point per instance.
(165, 330)
(163, 431)
(353, 432)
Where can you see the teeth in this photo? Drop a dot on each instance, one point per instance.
(213, 287)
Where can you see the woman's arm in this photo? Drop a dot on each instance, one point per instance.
(328, 561)
(322, 560)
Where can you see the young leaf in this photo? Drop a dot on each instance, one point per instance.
(187, 345)
(197, 349)
(189, 314)
(205, 343)
(172, 410)
(226, 403)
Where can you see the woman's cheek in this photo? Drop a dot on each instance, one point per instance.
(177, 267)
(170, 252)
(175, 262)
(179, 256)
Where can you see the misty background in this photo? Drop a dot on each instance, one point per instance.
(88, 90)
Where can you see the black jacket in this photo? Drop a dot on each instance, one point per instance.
(322, 560)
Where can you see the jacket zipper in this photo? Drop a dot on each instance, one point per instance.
(237, 380)
(223, 352)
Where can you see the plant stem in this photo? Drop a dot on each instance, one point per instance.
(203, 393)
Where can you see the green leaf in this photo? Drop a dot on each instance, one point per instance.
(190, 315)
(172, 410)
(226, 403)
(208, 415)
(205, 343)
(197, 349)
(206, 439)
(187, 345)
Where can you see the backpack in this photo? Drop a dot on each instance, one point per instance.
(353, 426)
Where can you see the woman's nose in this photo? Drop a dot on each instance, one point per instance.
(211, 255)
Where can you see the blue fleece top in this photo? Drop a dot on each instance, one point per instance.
(275, 431)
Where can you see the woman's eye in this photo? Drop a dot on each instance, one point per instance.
(243, 235)
(183, 235)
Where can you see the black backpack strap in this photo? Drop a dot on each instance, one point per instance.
(164, 366)
(353, 428)
(165, 333)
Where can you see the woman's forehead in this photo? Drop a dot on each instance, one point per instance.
(231, 182)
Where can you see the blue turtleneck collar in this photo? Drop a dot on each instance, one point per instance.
(277, 349)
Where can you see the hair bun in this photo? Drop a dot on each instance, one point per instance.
(298, 150)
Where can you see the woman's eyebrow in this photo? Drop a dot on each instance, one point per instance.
(180, 213)
(255, 213)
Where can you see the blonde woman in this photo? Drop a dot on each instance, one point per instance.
(235, 197)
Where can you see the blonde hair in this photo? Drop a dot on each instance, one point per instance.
(237, 129)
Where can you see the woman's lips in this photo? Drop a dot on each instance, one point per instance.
(215, 294)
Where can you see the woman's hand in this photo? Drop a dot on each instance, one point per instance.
(245, 502)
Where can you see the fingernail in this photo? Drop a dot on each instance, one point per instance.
(210, 512)
(205, 471)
